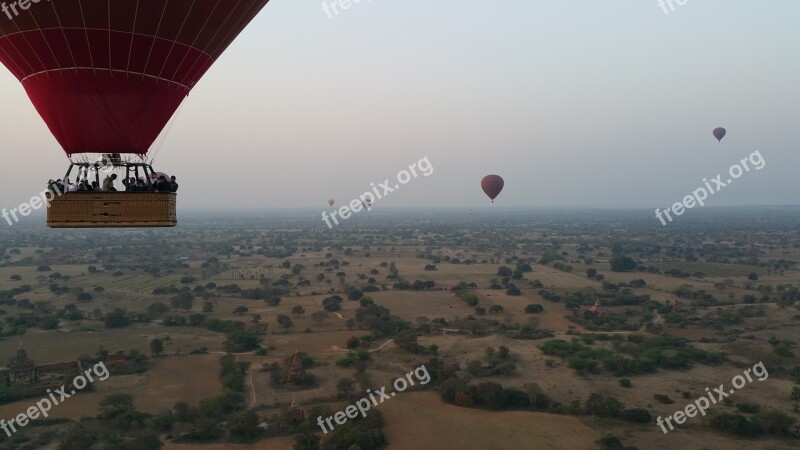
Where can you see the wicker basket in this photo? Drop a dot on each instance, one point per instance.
(112, 210)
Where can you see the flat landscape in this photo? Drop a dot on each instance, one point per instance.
(532, 335)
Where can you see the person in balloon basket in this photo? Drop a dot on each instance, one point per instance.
(162, 185)
(129, 183)
(108, 183)
(152, 181)
(174, 182)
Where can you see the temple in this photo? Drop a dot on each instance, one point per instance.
(296, 369)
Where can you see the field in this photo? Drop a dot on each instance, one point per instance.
(154, 392)
(383, 272)
(436, 425)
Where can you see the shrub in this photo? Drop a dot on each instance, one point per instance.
(534, 308)
(636, 415)
(735, 424)
(663, 399)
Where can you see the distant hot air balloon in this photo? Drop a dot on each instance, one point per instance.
(331, 202)
(492, 185)
(719, 133)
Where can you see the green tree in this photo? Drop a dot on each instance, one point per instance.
(795, 395)
(284, 322)
(306, 441)
(78, 437)
(115, 405)
(610, 442)
(157, 309)
(504, 271)
(184, 300)
(156, 347)
(775, 422)
(622, 264)
(636, 415)
(319, 316)
(534, 308)
(148, 442)
(242, 341)
(492, 395)
(344, 387)
(244, 425)
(117, 319)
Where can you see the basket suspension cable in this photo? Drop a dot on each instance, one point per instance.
(166, 133)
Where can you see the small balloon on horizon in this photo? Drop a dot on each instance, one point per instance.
(720, 133)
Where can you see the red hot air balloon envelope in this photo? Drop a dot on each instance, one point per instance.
(720, 133)
(492, 185)
(106, 76)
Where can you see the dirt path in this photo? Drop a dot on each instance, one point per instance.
(249, 384)
(382, 345)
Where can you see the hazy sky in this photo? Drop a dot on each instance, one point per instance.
(574, 102)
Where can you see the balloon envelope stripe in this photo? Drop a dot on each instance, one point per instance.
(59, 58)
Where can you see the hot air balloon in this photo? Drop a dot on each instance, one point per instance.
(492, 185)
(331, 202)
(106, 77)
(720, 133)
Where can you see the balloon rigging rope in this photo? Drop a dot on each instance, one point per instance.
(244, 18)
(155, 36)
(210, 54)
(46, 41)
(29, 45)
(133, 33)
(174, 41)
(86, 33)
(109, 111)
(165, 134)
(195, 39)
(20, 70)
(66, 41)
(109, 39)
